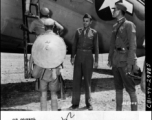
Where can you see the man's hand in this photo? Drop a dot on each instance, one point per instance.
(128, 69)
(96, 65)
(136, 68)
(60, 32)
(72, 61)
(109, 64)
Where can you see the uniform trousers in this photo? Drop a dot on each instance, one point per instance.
(83, 67)
(121, 80)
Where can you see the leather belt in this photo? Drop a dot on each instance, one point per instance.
(84, 50)
(121, 49)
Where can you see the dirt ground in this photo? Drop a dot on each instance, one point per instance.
(19, 94)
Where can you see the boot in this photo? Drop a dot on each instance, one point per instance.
(133, 98)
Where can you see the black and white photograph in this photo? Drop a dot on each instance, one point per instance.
(74, 60)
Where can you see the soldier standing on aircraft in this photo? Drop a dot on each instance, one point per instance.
(85, 40)
(122, 56)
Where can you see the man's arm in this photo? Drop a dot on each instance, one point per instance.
(30, 64)
(131, 34)
(96, 47)
(31, 28)
(111, 48)
(60, 27)
(74, 47)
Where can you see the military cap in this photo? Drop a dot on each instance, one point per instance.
(49, 22)
(45, 11)
(121, 6)
(87, 16)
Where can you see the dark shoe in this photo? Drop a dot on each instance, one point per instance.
(59, 109)
(90, 107)
(74, 107)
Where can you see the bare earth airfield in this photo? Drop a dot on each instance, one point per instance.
(19, 94)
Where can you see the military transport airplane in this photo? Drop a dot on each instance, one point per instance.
(70, 13)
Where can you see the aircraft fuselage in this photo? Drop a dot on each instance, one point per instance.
(70, 13)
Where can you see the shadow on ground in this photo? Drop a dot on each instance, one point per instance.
(14, 94)
(103, 71)
(14, 110)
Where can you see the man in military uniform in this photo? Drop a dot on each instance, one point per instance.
(37, 25)
(41, 26)
(122, 56)
(85, 40)
(49, 77)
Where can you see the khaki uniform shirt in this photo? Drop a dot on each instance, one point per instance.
(37, 26)
(86, 40)
(125, 38)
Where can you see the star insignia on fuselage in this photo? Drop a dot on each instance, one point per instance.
(111, 4)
